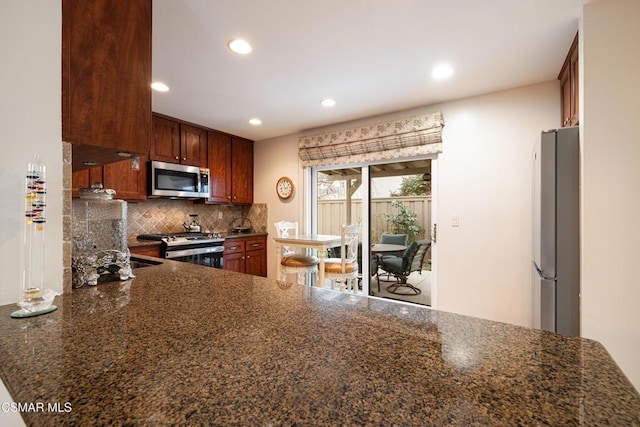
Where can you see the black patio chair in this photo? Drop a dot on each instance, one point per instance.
(402, 266)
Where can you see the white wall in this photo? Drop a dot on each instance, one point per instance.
(484, 266)
(273, 159)
(610, 112)
(485, 178)
(30, 116)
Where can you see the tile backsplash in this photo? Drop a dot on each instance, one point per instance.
(167, 216)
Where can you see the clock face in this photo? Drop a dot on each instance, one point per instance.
(284, 187)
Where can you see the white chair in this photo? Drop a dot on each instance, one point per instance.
(292, 262)
(345, 268)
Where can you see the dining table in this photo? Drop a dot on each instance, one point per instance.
(319, 242)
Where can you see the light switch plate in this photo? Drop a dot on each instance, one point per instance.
(455, 221)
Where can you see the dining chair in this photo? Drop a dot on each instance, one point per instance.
(402, 266)
(345, 268)
(295, 263)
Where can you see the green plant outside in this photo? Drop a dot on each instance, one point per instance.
(404, 221)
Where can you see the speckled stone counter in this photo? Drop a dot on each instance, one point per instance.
(183, 344)
(235, 235)
(135, 243)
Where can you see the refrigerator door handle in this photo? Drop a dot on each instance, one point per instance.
(541, 274)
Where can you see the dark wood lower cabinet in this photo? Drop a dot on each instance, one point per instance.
(246, 255)
(148, 250)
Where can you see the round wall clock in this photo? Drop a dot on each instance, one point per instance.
(284, 187)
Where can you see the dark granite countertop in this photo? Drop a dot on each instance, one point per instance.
(133, 242)
(232, 235)
(184, 344)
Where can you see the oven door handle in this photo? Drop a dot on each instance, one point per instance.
(194, 251)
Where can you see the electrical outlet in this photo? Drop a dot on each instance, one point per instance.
(220, 215)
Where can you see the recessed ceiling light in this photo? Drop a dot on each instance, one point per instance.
(159, 86)
(240, 46)
(442, 72)
(328, 102)
(255, 121)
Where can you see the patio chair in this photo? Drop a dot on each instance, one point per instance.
(345, 268)
(402, 266)
(393, 239)
(292, 262)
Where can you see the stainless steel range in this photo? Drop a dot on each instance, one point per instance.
(195, 248)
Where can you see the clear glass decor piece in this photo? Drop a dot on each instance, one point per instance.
(34, 298)
(99, 229)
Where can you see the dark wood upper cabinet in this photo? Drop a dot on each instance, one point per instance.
(84, 179)
(219, 160)
(570, 93)
(230, 162)
(106, 77)
(242, 170)
(177, 142)
(165, 146)
(128, 178)
(193, 145)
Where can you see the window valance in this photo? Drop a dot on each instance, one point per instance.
(412, 136)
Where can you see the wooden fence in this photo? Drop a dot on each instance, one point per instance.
(332, 214)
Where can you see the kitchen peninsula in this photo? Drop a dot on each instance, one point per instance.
(186, 344)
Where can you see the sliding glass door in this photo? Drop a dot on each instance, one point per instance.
(385, 198)
(400, 206)
(339, 194)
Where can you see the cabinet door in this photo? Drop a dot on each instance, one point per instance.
(233, 262)
(569, 90)
(165, 146)
(256, 263)
(106, 73)
(193, 146)
(128, 178)
(219, 160)
(242, 170)
(565, 93)
(84, 178)
(575, 92)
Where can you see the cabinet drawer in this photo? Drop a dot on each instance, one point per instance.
(234, 246)
(149, 250)
(255, 244)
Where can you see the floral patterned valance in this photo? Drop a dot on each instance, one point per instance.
(413, 136)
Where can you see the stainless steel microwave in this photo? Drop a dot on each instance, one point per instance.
(177, 181)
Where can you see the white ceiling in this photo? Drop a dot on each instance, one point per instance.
(371, 56)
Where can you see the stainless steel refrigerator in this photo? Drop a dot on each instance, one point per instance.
(556, 231)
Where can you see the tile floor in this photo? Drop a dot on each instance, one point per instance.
(421, 280)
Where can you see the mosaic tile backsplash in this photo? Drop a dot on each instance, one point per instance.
(167, 216)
